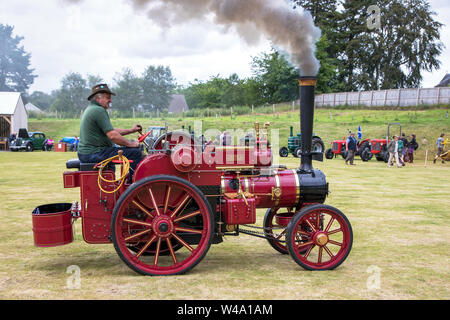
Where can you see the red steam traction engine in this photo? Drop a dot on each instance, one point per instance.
(184, 198)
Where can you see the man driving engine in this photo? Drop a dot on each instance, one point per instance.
(98, 136)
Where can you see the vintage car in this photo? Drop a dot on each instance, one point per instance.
(28, 141)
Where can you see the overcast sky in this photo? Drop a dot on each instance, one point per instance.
(102, 37)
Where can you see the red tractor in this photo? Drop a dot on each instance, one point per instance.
(184, 198)
(338, 148)
(379, 146)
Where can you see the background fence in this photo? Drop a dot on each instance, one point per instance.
(392, 97)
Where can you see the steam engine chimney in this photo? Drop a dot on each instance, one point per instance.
(307, 92)
(313, 183)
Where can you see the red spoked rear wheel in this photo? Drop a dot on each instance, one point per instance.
(325, 232)
(162, 225)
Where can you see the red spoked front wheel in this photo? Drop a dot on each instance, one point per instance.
(162, 225)
(325, 232)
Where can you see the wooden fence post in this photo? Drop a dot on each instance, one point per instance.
(418, 97)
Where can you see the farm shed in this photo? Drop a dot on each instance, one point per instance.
(13, 115)
(32, 108)
(178, 104)
(445, 82)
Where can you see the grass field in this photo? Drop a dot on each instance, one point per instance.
(399, 217)
(329, 124)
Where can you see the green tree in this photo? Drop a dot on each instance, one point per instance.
(15, 72)
(220, 92)
(323, 11)
(157, 87)
(191, 94)
(277, 77)
(393, 53)
(252, 92)
(41, 99)
(406, 44)
(352, 31)
(207, 94)
(327, 80)
(71, 98)
(129, 91)
(233, 91)
(93, 80)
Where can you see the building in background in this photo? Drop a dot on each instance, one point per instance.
(32, 108)
(13, 115)
(178, 104)
(445, 82)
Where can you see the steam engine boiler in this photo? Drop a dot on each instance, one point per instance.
(185, 197)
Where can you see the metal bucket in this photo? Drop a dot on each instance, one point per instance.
(52, 225)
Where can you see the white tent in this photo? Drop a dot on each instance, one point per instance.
(13, 115)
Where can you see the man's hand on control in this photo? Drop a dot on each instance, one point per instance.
(117, 138)
(137, 128)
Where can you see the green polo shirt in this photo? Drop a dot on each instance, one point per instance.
(95, 123)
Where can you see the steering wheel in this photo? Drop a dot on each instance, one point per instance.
(143, 137)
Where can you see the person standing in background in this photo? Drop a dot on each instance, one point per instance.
(351, 146)
(404, 149)
(11, 138)
(440, 147)
(392, 148)
(225, 139)
(74, 144)
(412, 146)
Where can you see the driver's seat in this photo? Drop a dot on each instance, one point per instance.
(76, 164)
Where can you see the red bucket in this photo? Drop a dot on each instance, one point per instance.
(52, 225)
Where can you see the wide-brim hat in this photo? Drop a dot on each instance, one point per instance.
(100, 88)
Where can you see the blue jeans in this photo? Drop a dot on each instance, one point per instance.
(130, 153)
